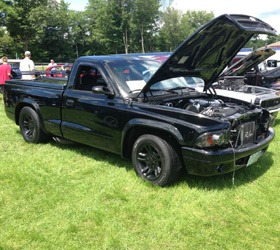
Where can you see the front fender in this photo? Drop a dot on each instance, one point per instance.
(157, 125)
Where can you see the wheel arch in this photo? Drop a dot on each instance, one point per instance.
(26, 102)
(138, 127)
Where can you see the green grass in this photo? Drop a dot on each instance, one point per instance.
(41, 67)
(56, 196)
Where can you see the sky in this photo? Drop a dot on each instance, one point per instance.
(268, 12)
(77, 4)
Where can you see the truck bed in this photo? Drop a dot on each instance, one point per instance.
(44, 82)
(43, 94)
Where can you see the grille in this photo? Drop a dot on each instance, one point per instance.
(246, 134)
(270, 103)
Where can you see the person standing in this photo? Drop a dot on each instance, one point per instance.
(52, 63)
(26, 66)
(5, 73)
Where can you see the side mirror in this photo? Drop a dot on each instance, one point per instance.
(101, 90)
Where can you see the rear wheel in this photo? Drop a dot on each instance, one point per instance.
(30, 126)
(155, 160)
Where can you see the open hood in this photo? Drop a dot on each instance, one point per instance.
(272, 75)
(209, 50)
(248, 62)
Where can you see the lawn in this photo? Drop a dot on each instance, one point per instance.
(55, 196)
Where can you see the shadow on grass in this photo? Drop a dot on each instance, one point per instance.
(230, 180)
(241, 176)
(91, 152)
(96, 154)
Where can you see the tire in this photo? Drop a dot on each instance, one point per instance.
(30, 126)
(155, 160)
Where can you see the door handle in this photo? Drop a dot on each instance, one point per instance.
(69, 102)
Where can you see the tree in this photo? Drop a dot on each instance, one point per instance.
(177, 26)
(193, 20)
(18, 23)
(145, 17)
(103, 25)
(8, 46)
(260, 41)
(53, 31)
(79, 32)
(50, 30)
(111, 24)
(171, 33)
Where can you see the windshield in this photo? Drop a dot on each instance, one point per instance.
(194, 82)
(132, 76)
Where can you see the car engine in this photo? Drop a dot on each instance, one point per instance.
(215, 108)
(244, 119)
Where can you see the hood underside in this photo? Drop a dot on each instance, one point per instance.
(209, 50)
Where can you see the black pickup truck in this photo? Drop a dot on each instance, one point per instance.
(141, 109)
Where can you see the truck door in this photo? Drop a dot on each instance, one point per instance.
(89, 118)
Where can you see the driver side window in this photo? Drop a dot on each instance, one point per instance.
(87, 78)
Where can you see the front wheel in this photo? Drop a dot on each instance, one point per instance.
(155, 160)
(30, 126)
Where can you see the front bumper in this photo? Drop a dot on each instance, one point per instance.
(215, 162)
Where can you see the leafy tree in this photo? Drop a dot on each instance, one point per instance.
(110, 21)
(79, 32)
(126, 13)
(18, 23)
(176, 26)
(102, 24)
(145, 17)
(51, 30)
(193, 20)
(260, 41)
(8, 46)
(170, 33)
(52, 39)
(5, 8)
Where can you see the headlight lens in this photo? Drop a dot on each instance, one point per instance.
(212, 139)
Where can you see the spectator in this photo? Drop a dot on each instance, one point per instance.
(52, 63)
(26, 66)
(5, 73)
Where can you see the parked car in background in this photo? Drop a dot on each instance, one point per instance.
(273, 61)
(57, 70)
(14, 63)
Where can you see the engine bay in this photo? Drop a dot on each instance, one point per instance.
(245, 119)
(211, 107)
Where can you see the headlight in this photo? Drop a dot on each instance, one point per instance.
(212, 139)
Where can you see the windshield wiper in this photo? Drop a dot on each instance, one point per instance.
(173, 90)
(157, 89)
(180, 88)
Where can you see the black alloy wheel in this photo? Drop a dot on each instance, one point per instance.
(155, 160)
(30, 126)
